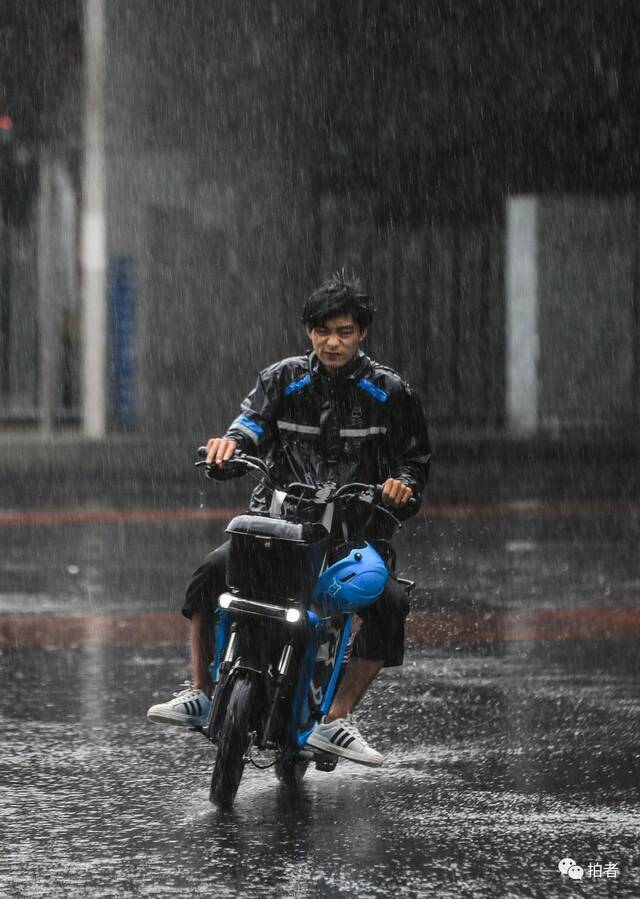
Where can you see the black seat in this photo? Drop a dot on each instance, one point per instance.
(278, 528)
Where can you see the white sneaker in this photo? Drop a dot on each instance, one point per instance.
(342, 737)
(188, 708)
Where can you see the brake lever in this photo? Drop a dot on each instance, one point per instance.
(202, 452)
(385, 511)
(368, 499)
(212, 470)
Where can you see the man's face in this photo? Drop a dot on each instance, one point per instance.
(336, 341)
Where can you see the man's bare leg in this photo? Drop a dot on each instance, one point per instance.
(202, 650)
(359, 675)
(189, 708)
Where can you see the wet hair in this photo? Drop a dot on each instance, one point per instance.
(339, 295)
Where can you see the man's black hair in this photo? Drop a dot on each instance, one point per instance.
(339, 296)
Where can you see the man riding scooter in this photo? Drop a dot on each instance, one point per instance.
(332, 415)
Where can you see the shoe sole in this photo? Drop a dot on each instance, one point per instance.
(326, 746)
(182, 721)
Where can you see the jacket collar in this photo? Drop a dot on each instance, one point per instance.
(353, 370)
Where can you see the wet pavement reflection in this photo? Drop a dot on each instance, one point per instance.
(506, 750)
(497, 766)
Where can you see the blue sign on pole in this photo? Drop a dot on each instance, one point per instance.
(122, 324)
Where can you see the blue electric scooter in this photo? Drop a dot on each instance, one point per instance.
(283, 632)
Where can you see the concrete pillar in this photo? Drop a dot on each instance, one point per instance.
(522, 334)
(93, 228)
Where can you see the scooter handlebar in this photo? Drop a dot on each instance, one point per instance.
(220, 474)
(235, 467)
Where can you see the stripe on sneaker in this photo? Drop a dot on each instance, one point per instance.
(348, 742)
(198, 707)
(343, 739)
(335, 738)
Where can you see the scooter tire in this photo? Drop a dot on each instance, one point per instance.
(235, 736)
(291, 772)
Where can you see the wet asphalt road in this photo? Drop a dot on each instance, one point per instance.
(504, 756)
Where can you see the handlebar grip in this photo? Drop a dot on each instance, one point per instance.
(412, 502)
(226, 472)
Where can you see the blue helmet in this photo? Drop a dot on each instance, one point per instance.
(353, 582)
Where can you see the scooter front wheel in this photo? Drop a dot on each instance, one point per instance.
(233, 743)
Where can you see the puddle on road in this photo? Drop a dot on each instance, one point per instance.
(497, 767)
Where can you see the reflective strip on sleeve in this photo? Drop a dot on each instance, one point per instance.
(301, 429)
(362, 432)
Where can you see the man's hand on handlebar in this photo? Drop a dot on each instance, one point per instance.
(395, 492)
(220, 450)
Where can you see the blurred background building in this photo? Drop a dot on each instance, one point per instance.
(176, 176)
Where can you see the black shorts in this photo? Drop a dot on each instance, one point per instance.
(381, 637)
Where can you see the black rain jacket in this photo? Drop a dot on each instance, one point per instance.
(360, 423)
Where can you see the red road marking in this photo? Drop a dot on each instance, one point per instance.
(533, 509)
(502, 626)
(111, 516)
(436, 628)
(530, 508)
(117, 629)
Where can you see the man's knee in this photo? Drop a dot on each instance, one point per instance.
(394, 600)
(381, 637)
(207, 582)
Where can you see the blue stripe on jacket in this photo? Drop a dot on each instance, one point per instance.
(376, 392)
(297, 385)
(249, 423)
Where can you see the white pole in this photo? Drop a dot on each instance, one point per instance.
(93, 228)
(523, 340)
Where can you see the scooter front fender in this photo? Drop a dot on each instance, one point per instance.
(222, 693)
